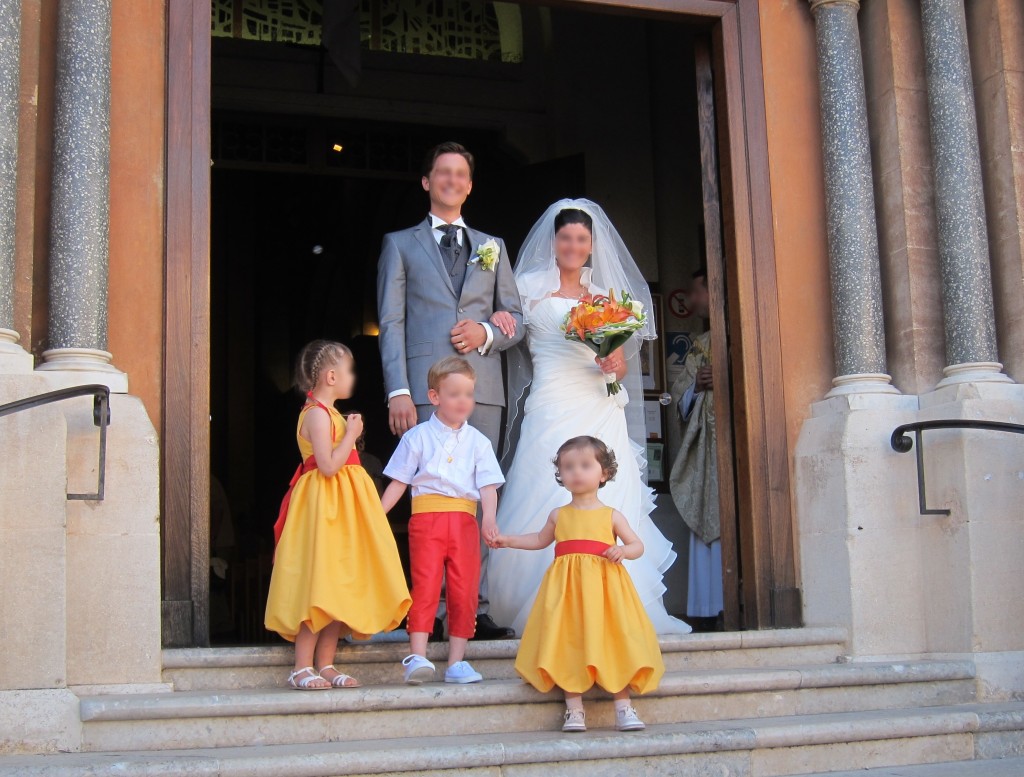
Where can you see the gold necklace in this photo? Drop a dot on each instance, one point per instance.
(444, 446)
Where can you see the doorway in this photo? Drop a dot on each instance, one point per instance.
(288, 204)
(293, 258)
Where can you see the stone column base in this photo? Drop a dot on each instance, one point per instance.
(66, 367)
(973, 372)
(86, 614)
(862, 383)
(904, 583)
(856, 505)
(13, 358)
(976, 560)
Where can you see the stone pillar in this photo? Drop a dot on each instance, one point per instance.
(858, 331)
(79, 216)
(12, 356)
(971, 353)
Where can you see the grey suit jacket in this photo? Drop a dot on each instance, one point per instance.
(418, 307)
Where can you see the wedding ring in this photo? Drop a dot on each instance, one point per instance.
(462, 344)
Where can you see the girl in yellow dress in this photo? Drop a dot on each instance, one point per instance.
(587, 624)
(336, 568)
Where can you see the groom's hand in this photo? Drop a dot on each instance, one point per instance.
(468, 335)
(401, 414)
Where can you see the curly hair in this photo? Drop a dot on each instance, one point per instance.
(313, 358)
(605, 456)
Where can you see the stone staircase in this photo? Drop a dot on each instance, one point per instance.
(752, 703)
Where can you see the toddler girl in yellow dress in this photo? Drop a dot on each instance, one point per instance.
(587, 624)
(336, 568)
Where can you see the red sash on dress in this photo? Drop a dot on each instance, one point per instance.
(307, 466)
(592, 547)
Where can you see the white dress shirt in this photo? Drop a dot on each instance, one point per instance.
(422, 460)
(435, 222)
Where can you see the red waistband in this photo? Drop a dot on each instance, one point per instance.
(307, 466)
(593, 547)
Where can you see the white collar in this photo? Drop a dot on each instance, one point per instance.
(437, 221)
(441, 426)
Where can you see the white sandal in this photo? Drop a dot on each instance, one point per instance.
(341, 680)
(306, 683)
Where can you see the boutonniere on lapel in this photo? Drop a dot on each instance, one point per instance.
(487, 255)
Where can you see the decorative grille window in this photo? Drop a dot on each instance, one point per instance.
(460, 29)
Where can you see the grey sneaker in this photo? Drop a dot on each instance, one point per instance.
(461, 672)
(626, 720)
(417, 670)
(575, 720)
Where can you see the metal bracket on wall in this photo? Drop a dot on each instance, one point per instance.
(901, 443)
(100, 417)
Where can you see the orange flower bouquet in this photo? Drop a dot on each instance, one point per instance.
(604, 323)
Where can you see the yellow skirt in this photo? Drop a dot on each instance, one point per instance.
(588, 626)
(336, 560)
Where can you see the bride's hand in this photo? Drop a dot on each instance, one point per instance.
(505, 321)
(613, 363)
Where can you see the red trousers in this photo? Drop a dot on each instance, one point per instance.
(444, 546)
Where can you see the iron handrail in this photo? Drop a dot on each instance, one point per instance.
(901, 443)
(100, 417)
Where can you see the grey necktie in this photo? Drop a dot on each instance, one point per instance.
(449, 245)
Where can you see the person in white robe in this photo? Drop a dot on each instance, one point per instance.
(694, 476)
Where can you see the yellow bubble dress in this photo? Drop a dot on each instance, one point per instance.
(587, 624)
(336, 558)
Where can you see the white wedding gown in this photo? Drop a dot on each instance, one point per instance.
(568, 398)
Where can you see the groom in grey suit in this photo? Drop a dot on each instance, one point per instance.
(434, 299)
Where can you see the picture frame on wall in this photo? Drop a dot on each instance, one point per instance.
(652, 353)
(657, 475)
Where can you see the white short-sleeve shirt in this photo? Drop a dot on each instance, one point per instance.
(433, 458)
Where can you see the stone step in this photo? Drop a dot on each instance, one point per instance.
(762, 746)
(197, 669)
(194, 719)
(1008, 767)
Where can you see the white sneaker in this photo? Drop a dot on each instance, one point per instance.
(461, 672)
(626, 720)
(575, 720)
(417, 669)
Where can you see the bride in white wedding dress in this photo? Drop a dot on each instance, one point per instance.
(573, 250)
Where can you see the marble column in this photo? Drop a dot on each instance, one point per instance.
(858, 330)
(11, 354)
(79, 215)
(971, 353)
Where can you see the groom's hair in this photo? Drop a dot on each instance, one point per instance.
(605, 456)
(448, 147)
(450, 365)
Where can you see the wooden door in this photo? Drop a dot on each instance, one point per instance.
(185, 481)
(762, 519)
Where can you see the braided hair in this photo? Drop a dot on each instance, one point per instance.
(314, 358)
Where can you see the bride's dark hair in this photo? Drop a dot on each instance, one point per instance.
(573, 216)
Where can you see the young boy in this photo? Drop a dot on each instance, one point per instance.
(450, 466)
